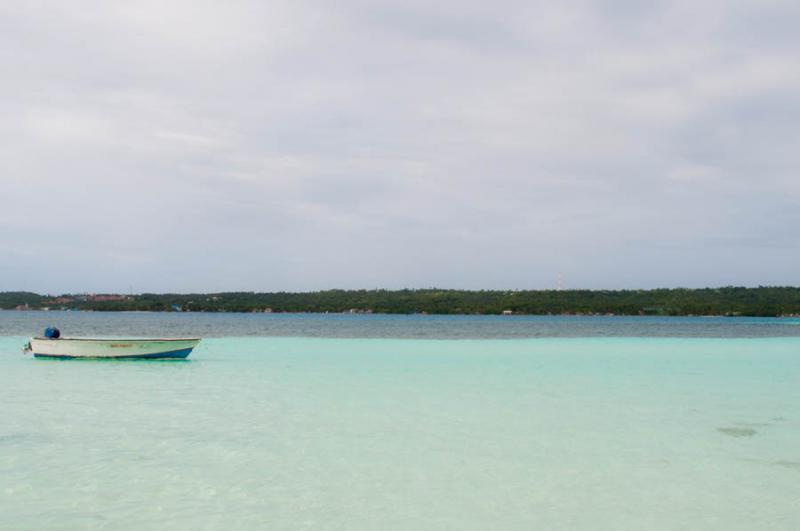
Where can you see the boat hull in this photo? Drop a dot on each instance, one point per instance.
(71, 348)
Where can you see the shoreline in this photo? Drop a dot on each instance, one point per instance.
(401, 314)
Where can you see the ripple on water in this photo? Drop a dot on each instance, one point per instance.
(13, 438)
(795, 465)
(738, 432)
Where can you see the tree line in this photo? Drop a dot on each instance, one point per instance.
(760, 301)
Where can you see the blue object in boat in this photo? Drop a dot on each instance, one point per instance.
(51, 332)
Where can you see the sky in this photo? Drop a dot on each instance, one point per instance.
(189, 146)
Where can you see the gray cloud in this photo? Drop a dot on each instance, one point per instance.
(297, 145)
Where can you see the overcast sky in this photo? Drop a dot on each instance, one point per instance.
(301, 145)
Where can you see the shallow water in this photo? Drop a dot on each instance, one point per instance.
(174, 324)
(343, 433)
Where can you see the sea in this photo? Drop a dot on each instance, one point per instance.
(289, 421)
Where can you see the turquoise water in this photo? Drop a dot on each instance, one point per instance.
(301, 433)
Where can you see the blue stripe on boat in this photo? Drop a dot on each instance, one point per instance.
(183, 353)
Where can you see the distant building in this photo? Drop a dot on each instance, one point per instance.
(59, 300)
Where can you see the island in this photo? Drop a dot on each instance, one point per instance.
(724, 301)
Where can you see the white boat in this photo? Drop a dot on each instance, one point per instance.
(78, 347)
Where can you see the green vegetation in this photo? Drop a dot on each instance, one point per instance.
(761, 301)
(11, 299)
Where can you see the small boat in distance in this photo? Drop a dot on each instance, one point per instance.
(52, 345)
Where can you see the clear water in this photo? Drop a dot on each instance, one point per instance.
(365, 433)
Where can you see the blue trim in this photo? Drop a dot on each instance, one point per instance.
(172, 354)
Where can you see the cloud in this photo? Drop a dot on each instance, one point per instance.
(301, 145)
